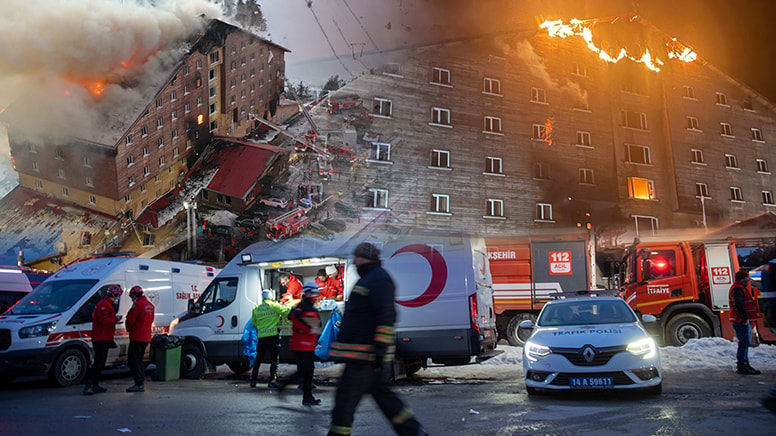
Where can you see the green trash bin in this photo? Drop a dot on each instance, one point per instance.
(166, 354)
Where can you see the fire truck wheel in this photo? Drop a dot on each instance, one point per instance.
(192, 362)
(69, 369)
(681, 328)
(239, 367)
(515, 335)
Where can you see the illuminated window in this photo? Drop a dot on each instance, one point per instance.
(491, 86)
(689, 92)
(639, 154)
(762, 166)
(735, 194)
(440, 117)
(702, 190)
(494, 208)
(492, 125)
(641, 189)
(768, 198)
(757, 135)
(543, 212)
(583, 139)
(538, 95)
(440, 76)
(440, 203)
(722, 99)
(725, 129)
(440, 159)
(697, 156)
(493, 165)
(586, 176)
(541, 171)
(731, 161)
(382, 107)
(692, 123)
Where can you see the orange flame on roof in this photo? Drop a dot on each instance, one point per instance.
(576, 27)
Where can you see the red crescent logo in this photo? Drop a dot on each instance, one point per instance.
(438, 274)
(222, 321)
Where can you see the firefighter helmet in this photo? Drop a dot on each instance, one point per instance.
(114, 291)
(135, 292)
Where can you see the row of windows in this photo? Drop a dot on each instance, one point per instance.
(726, 129)
(731, 161)
(736, 194)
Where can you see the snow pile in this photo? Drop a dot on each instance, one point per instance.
(219, 217)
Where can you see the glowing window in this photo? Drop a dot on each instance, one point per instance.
(642, 189)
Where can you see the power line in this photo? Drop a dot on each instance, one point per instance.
(352, 45)
(362, 26)
(326, 37)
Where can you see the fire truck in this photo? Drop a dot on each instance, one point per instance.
(339, 103)
(686, 285)
(288, 224)
(527, 270)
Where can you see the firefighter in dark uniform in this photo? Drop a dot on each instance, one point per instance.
(365, 343)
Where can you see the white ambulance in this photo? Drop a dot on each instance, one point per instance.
(444, 298)
(49, 330)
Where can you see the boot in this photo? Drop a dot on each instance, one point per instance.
(253, 383)
(756, 371)
(311, 402)
(745, 370)
(88, 390)
(136, 388)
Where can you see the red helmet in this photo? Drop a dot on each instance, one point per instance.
(136, 292)
(114, 291)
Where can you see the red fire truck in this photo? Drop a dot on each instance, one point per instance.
(527, 270)
(339, 102)
(288, 224)
(685, 284)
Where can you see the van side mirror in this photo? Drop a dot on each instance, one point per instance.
(191, 305)
(526, 324)
(646, 318)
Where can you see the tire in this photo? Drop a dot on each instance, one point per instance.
(515, 335)
(683, 327)
(412, 366)
(192, 362)
(239, 367)
(654, 390)
(69, 368)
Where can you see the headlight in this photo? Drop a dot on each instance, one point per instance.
(37, 330)
(535, 351)
(174, 323)
(645, 347)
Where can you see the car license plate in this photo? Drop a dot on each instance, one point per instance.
(591, 382)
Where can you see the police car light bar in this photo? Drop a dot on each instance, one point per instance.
(585, 293)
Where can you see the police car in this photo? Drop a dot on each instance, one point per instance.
(590, 341)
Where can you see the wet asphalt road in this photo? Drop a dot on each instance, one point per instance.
(489, 400)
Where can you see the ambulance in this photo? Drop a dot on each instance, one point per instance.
(48, 332)
(444, 298)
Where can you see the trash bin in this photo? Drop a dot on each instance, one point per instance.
(166, 354)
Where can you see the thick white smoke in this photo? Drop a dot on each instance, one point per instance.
(526, 52)
(54, 53)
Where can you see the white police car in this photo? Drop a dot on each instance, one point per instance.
(590, 342)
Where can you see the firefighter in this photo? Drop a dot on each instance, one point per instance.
(266, 319)
(365, 343)
(140, 318)
(293, 288)
(743, 311)
(104, 321)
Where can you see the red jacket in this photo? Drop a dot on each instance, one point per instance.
(293, 290)
(306, 326)
(139, 320)
(749, 306)
(104, 321)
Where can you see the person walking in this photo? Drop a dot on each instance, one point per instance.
(306, 327)
(266, 319)
(366, 342)
(104, 321)
(140, 318)
(743, 311)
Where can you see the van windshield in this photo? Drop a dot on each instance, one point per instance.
(53, 296)
(220, 293)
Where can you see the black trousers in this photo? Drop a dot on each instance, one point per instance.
(269, 344)
(135, 361)
(359, 379)
(100, 356)
(305, 367)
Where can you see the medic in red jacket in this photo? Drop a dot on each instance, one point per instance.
(140, 318)
(104, 317)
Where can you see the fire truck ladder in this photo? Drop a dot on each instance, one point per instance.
(322, 151)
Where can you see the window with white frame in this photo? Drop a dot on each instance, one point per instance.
(646, 225)
(693, 124)
(38, 184)
(159, 103)
(65, 191)
(440, 203)
(541, 171)
(174, 133)
(175, 152)
(579, 69)
(731, 161)
(378, 198)
(146, 171)
(440, 116)
(491, 86)
(725, 129)
(59, 154)
(736, 194)
(748, 104)
(689, 92)
(212, 108)
(160, 142)
(634, 120)
(161, 161)
(187, 108)
(492, 124)
(493, 165)
(35, 166)
(128, 140)
(382, 152)
(173, 96)
(757, 135)
(130, 160)
(767, 198)
(762, 166)
(143, 188)
(639, 154)
(495, 208)
(641, 189)
(586, 176)
(174, 115)
(87, 161)
(31, 148)
(722, 99)
(583, 139)
(383, 107)
(697, 156)
(89, 181)
(92, 200)
(145, 152)
(440, 159)
(212, 91)
(158, 179)
(159, 123)
(540, 132)
(538, 95)
(701, 190)
(212, 74)
(214, 57)
(440, 76)
(543, 212)
(127, 198)
(131, 180)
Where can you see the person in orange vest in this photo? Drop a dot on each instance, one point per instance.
(104, 321)
(140, 318)
(293, 288)
(743, 311)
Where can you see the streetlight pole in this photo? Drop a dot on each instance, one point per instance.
(188, 229)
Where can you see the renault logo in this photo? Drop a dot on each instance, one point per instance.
(588, 353)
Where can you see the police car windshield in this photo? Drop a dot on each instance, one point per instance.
(53, 296)
(585, 311)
